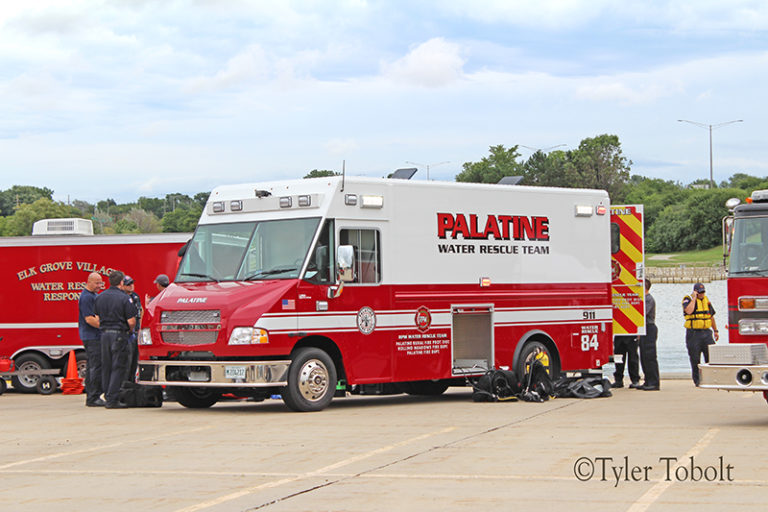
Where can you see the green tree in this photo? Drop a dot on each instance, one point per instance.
(20, 223)
(314, 173)
(153, 205)
(654, 194)
(21, 194)
(599, 163)
(182, 220)
(126, 226)
(743, 181)
(146, 222)
(201, 198)
(694, 224)
(546, 169)
(501, 162)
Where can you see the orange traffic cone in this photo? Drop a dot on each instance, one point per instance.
(72, 384)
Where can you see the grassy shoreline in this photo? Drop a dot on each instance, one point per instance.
(706, 258)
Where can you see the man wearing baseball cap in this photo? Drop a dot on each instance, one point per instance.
(699, 327)
(162, 283)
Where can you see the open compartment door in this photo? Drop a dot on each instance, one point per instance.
(472, 339)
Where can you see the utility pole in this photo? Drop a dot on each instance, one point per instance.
(710, 127)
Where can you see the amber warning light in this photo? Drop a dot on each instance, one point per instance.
(485, 282)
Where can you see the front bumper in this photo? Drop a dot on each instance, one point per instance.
(752, 377)
(223, 374)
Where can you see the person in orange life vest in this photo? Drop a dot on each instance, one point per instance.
(700, 325)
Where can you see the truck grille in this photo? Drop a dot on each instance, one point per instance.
(190, 327)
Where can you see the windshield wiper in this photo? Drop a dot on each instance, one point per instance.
(271, 272)
(204, 276)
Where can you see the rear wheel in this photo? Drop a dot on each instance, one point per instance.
(196, 398)
(3, 385)
(82, 364)
(537, 351)
(29, 363)
(311, 380)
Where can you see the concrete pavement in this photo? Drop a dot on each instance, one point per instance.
(390, 453)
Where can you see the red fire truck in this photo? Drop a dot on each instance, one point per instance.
(43, 278)
(742, 364)
(311, 288)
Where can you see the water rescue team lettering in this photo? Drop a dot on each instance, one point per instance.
(500, 227)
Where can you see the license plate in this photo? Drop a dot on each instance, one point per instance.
(234, 372)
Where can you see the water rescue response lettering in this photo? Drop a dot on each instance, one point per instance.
(60, 290)
(501, 227)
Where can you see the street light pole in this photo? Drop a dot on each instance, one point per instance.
(428, 165)
(710, 127)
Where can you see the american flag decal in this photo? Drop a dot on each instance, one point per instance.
(289, 304)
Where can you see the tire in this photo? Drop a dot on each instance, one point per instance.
(196, 398)
(423, 387)
(28, 362)
(46, 385)
(82, 364)
(546, 357)
(311, 380)
(3, 385)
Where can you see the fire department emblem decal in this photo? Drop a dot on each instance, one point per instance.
(366, 320)
(423, 319)
(615, 270)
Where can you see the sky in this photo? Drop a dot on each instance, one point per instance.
(121, 99)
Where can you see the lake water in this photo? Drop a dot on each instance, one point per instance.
(672, 355)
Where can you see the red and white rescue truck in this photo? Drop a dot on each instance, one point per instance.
(742, 364)
(43, 276)
(313, 288)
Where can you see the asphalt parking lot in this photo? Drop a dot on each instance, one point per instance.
(678, 449)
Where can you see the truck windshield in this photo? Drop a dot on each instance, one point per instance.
(245, 251)
(749, 248)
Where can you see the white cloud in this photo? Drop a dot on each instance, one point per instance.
(435, 63)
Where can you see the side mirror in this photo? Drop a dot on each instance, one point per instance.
(345, 257)
(727, 236)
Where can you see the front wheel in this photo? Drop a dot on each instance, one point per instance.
(29, 363)
(311, 380)
(196, 398)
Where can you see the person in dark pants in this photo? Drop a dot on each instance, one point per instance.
(88, 327)
(116, 319)
(700, 325)
(648, 343)
(627, 347)
(133, 359)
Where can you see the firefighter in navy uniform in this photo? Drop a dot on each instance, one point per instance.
(699, 328)
(133, 359)
(117, 317)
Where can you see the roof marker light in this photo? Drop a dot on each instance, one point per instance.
(371, 201)
(602, 210)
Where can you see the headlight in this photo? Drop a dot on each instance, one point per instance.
(145, 338)
(248, 336)
(748, 326)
